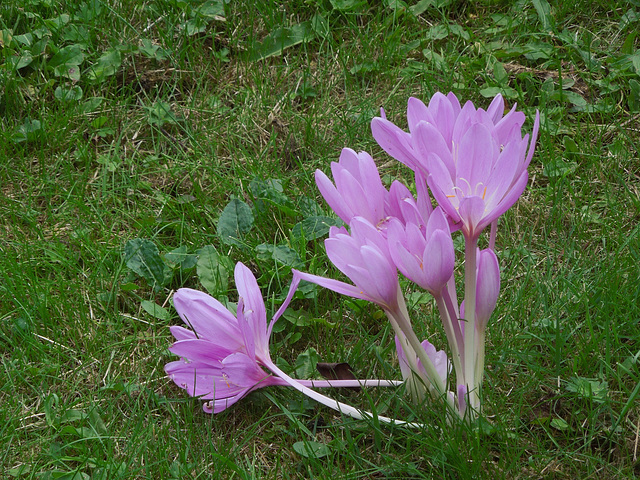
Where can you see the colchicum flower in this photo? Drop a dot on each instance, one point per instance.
(475, 160)
(358, 192)
(427, 257)
(224, 357)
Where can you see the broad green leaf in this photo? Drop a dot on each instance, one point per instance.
(68, 94)
(7, 38)
(90, 105)
(574, 98)
(570, 146)
(213, 270)
(500, 74)
(66, 63)
(459, 31)
(272, 191)
(544, 13)
(155, 310)
(320, 25)
(314, 227)
(396, 5)
(312, 449)
(281, 39)
(559, 168)
(302, 318)
(56, 23)
(628, 18)
(151, 50)
(280, 254)
(27, 132)
(559, 424)
(590, 389)
(160, 113)
(195, 25)
(436, 59)
(306, 362)
(107, 65)
(629, 42)
(538, 51)
(179, 258)
(73, 415)
(212, 9)
(506, 92)
(20, 471)
(421, 7)
(142, 257)
(437, 32)
(347, 5)
(24, 60)
(235, 221)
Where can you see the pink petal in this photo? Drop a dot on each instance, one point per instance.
(496, 109)
(475, 158)
(253, 311)
(207, 317)
(333, 198)
(428, 139)
(472, 212)
(417, 111)
(394, 141)
(439, 261)
(200, 351)
(487, 286)
(334, 285)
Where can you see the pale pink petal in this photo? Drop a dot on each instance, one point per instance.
(487, 286)
(333, 198)
(207, 317)
(394, 141)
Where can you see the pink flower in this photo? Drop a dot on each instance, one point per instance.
(222, 355)
(363, 256)
(487, 286)
(424, 256)
(358, 192)
(437, 357)
(476, 160)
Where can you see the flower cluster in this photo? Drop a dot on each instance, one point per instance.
(473, 163)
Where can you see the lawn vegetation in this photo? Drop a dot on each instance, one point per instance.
(149, 145)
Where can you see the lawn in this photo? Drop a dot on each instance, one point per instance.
(150, 145)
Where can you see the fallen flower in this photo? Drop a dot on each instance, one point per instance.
(225, 357)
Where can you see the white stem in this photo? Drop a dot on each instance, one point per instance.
(447, 323)
(470, 320)
(338, 406)
(350, 383)
(402, 317)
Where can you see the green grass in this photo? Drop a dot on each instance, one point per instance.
(160, 140)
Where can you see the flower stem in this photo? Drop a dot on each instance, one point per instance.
(453, 337)
(402, 317)
(470, 319)
(334, 404)
(351, 383)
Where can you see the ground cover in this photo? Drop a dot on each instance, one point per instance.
(148, 146)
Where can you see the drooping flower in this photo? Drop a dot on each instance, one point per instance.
(222, 355)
